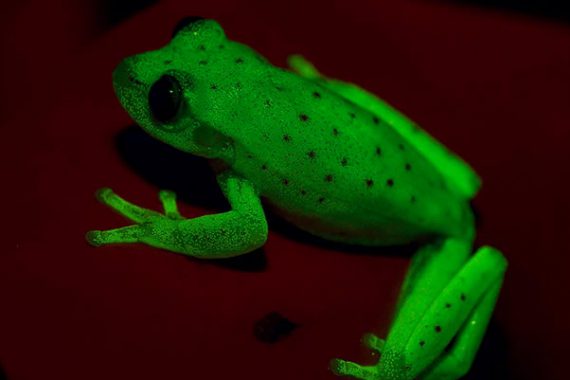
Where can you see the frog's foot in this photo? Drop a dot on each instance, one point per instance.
(346, 368)
(373, 342)
(143, 217)
(231, 233)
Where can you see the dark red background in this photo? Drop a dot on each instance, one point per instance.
(493, 86)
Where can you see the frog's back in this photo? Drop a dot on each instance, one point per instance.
(338, 170)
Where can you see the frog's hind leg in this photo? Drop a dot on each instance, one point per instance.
(431, 317)
(446, 297)
(457, 360)
(457, 173)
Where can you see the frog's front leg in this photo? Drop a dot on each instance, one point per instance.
(444, 297)
(231, 233)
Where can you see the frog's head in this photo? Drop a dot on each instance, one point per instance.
(166, 90)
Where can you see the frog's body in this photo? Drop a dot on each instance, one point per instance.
(332, 159)
(329, 163)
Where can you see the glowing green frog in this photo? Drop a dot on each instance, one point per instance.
(332, 159)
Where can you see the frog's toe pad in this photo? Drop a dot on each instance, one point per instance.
(346, 368)
(94, 238)
(103, 194)
(373, 342)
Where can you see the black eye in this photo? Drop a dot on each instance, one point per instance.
(188, 20)
(164, 98)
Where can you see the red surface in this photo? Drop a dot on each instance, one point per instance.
(495, 87)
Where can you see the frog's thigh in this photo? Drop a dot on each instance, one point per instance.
(469, 296)
(458, 174)
(457, 360)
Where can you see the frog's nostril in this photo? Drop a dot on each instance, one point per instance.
(134, 80)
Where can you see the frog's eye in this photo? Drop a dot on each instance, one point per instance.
(188, 20)
(164, 98)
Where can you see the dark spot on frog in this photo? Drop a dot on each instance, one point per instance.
(267, 103)
(422, 343)
(344, 161)
(312, 154)
(238, 85)
(264, 167)
(352, 115)
(273, 327)
(378, 151)
(448, 306)
(321, 200)
(303, 192)
(239, 60)
(375, 120)
(401, 146)
(202, 48)
(168, 62)
(408, 167)
(463, 297)
(303, 117)
(279, 88)
(335, 132)
(329, 178)
(412, 199)
(437, 329)
(203, 62)
(213, 87)
(249, 156)
(317, 95)
(286, 138)
(369, 182)
(221, 46)
(285, 181)
(390, 182)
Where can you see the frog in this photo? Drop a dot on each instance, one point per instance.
(329, 157)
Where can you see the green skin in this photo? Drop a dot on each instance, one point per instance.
(336, 161)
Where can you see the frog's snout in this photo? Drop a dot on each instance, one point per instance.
(124, 77)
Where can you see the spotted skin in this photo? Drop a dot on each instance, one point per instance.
(332, 159)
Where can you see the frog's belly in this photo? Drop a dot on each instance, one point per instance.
(386, 226)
